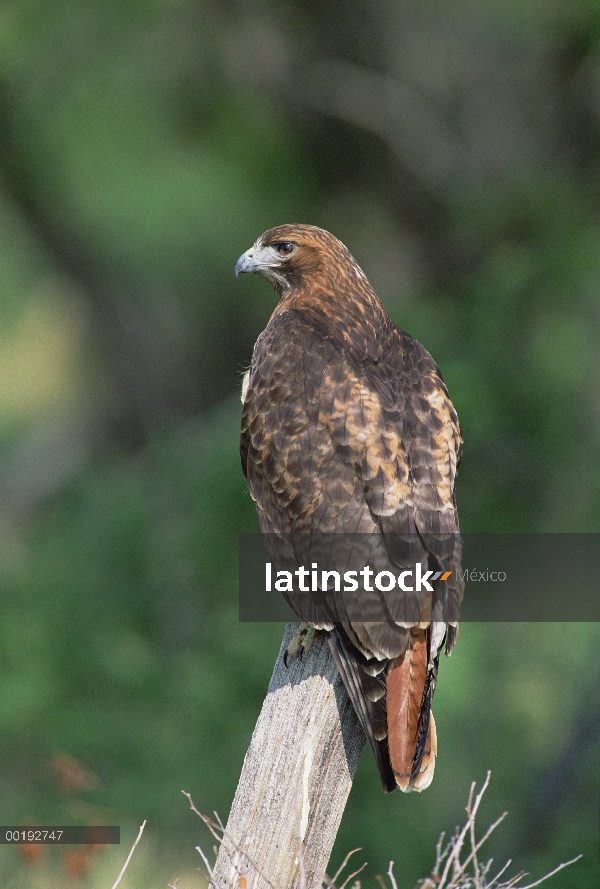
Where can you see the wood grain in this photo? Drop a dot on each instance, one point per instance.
(296, 777)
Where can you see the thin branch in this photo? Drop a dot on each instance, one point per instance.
(344, 863)
(473, 854)
(439, 856)
(454, 857)
(499, 874)
(477, 846)
(124, 868)
(356, 872)
(207, 864)
(552, 872)
(516, 879)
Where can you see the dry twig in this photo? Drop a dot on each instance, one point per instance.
(466, 871)
(458, 871)
(470, 872)
(128, 859)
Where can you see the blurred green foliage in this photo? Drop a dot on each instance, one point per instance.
(143, 146)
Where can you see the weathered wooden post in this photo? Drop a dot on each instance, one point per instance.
(296, 778)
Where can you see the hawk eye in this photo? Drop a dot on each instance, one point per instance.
(285, 247)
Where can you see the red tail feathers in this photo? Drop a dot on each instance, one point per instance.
(409, 716)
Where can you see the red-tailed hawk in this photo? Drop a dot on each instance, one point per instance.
(347, 427)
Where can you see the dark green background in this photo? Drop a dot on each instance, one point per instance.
(453, 146)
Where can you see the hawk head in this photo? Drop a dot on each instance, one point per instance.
(289, 254)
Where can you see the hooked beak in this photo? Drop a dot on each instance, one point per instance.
(262, 260)
(246, 263)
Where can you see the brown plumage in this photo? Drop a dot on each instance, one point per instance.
(347, 427)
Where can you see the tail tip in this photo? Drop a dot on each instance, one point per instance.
(425, 775)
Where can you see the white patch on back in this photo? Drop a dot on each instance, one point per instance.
(245, 384)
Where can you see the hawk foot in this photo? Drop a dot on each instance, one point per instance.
(301, 642)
